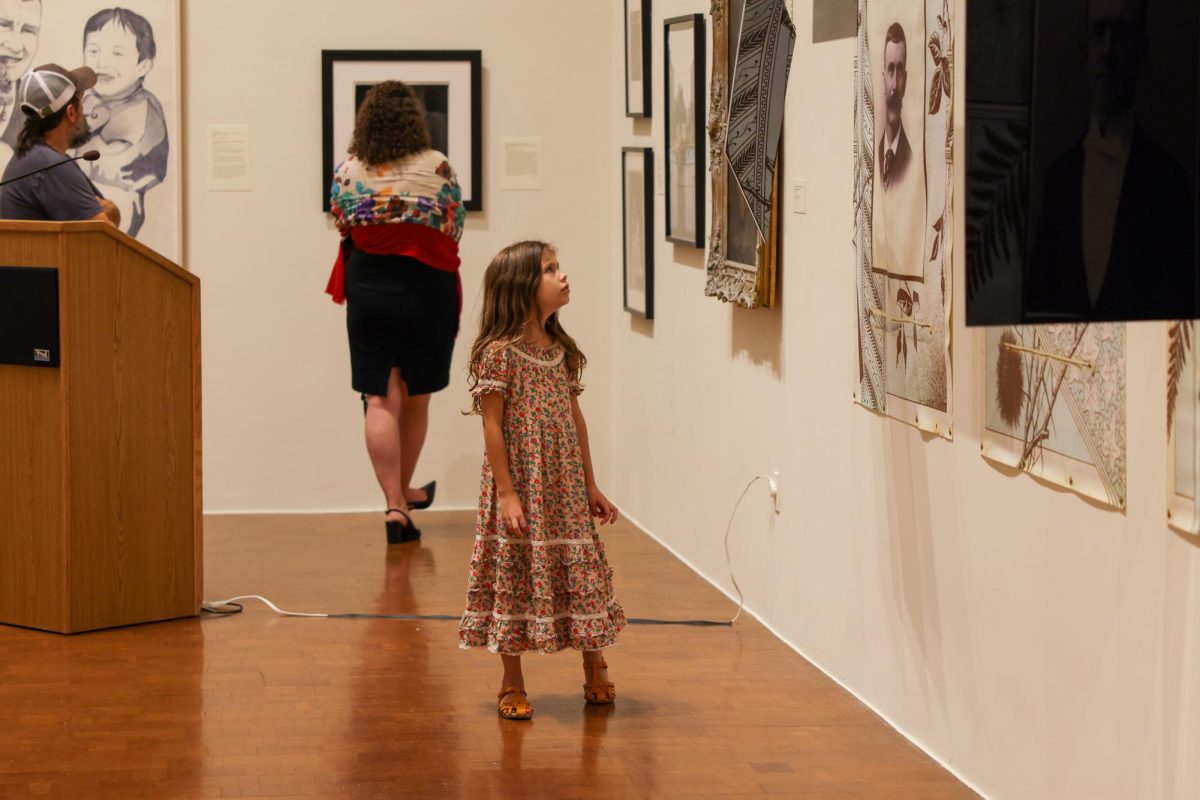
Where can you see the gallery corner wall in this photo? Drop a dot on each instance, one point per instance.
(1038, 643)
(282, 427)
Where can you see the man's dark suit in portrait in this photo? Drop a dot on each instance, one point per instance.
(1116, 233)
(898, 205)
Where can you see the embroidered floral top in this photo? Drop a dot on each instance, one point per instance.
(369, 201)
(421, 188)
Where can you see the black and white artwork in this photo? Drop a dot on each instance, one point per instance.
(683, 119)
(133, 111)
(834, 19)
(449, 86)
(1086, 197)
(896, 32)
(637, 58)
(637, 214)
(903, 203)
(435, 102)
(741, 234)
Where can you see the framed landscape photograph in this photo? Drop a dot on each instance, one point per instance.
(637, 58)
(637, 214)
(683, 122)
(449, 85)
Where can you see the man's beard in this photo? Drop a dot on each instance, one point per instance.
(81, 134)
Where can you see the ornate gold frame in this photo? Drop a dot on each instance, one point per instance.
(746, 285)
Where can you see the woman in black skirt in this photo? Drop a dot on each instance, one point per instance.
(399, 209)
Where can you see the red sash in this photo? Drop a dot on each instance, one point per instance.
(428, 245)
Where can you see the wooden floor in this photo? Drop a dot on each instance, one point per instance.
(257, 705)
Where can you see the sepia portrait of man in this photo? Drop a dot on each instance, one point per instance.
(898, 205)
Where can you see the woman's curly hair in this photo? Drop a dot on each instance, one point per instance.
(389, 125)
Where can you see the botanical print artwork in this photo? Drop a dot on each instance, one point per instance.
(1183, 428)
(903, 207)
(133, 111)
(1055, 399)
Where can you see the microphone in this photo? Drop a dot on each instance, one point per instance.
(90, 155)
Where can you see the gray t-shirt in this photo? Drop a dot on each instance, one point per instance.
(63, 193)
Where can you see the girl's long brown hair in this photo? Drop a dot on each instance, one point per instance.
(510, 287)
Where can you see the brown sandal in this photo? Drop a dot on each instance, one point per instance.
(598, 693)
(518, 710)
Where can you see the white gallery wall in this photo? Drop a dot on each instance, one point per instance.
(1039, 645)
(282, 427)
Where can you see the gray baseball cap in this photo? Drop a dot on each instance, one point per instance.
(47, 89)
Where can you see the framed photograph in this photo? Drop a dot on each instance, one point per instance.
(133, 111)
(900, 196)
(637, 58)
(637, 214)
(683, 121)
(449, 84)
(1052, 237)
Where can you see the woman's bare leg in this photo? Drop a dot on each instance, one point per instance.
(383, 427)
(414, 422)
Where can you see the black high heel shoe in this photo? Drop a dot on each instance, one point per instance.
(430, 489)
(400, 531)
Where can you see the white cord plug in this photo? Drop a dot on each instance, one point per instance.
(773, 483)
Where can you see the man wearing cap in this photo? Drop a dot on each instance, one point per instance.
(51, 96)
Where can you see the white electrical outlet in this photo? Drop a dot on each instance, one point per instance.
(800, 197)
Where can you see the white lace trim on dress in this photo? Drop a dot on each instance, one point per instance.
(535, 618)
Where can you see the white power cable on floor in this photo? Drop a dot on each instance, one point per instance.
(729, 527)
(216, 606)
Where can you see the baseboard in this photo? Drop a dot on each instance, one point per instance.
(258, 512)
(747, 609)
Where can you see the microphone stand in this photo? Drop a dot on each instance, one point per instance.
(90, 155)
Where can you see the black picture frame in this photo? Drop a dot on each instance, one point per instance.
(380, 65)
(699, 153)
(632, 240)
(638, 92)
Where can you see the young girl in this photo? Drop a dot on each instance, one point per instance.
(539, 580)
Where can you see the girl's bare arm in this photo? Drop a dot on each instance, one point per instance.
(491, 406)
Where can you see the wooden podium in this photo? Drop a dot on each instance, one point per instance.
(100, 494)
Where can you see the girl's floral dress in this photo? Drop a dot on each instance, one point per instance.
(552, 588)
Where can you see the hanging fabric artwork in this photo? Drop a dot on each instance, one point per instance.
(752, 55)
(1056, 405)
(903, 209)
(760, 76)
(1183, 427)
